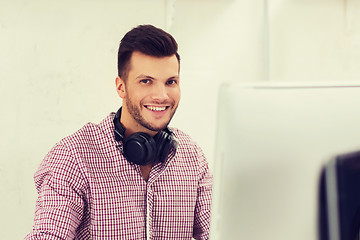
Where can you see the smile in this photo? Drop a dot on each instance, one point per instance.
(156, 109)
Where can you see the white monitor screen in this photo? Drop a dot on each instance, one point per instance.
(272, 141)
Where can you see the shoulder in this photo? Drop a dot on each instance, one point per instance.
(189, 154)
(187, 147)
(71, 156)
(66, 150)
(90, 140)
(84, 135)
(183, 138)
(91, 136)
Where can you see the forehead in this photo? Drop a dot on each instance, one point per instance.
(153, 66)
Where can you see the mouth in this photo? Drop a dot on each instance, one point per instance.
(156, 108)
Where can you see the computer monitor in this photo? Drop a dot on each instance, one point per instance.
(339, 198)
(271, 144)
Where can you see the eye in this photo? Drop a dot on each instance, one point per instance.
(171, 82)
(145, 81)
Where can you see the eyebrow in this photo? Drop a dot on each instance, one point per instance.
(142, 76)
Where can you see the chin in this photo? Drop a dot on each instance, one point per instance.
(156, 126)
(159, 123)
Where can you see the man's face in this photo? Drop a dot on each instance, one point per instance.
(151, 93)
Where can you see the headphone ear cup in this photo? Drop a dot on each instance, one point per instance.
(163, 144)
(140, 148)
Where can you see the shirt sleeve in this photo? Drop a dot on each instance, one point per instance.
(203, 203)
(61, 202)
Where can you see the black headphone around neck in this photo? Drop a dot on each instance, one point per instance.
(140, 148)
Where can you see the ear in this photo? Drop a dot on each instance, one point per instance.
(120, 87)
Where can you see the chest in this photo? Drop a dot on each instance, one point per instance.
(124, 185)
(124, 201)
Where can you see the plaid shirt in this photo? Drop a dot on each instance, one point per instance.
(88, 190)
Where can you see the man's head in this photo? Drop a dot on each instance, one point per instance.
(148, 80)
(148, 40)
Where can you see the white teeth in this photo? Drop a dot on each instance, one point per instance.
(153, 108)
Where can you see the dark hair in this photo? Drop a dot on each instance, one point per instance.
(148, 40)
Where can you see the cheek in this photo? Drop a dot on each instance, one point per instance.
(176, 94)
(134, 94)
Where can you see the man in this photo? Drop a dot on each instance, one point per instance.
(129, 177)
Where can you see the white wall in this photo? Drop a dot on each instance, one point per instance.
(58, 65)
(220, 41)
(57, 72)
(316, 40)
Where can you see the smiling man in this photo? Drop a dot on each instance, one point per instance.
(131, 176)
(151, 92)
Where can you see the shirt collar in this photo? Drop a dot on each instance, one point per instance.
(107, 126)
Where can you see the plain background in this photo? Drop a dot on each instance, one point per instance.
(58, 67)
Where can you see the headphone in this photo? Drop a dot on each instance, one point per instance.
(140, 148)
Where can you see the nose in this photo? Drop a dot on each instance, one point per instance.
(159, 92)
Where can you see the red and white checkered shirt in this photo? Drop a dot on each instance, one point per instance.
(88, 190)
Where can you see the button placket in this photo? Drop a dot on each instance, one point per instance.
(149, 208)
